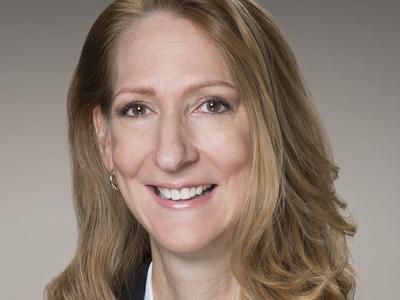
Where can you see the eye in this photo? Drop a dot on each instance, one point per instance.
(134, 109)
(214, 105)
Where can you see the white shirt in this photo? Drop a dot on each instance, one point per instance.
(148, 294)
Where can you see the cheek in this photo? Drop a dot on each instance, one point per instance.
(130, 146)
(227, 146)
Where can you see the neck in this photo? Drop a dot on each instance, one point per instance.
(206, 275)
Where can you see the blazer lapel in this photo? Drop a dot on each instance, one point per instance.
(136, 288)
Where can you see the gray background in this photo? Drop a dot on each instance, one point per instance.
(349, 53)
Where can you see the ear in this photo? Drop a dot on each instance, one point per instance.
(103, 137)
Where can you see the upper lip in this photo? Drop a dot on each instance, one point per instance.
(179, 186)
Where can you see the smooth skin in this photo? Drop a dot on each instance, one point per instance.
(177, 118)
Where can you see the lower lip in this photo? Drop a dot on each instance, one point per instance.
(181, 204)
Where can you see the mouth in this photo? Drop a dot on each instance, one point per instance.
(185, 194)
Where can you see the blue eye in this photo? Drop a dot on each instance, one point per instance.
(134, 109)
(214, 105)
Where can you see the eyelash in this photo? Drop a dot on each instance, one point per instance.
(219, 100)
(129, 106)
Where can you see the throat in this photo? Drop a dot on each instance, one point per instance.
(184, 279)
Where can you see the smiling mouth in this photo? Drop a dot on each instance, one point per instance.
(185, 194)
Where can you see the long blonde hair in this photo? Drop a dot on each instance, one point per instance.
(291, 241)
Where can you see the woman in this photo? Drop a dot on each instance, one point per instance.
(220, 176)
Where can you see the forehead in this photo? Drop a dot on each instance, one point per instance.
(163, 45)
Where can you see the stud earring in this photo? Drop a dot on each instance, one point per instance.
(113, 180)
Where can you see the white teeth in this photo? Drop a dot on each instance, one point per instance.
(166, 193)
(199, 190)
(185, 194)
(175, 195)
(192, 192)
(182, 194)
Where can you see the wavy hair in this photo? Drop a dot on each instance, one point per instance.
(291, 239)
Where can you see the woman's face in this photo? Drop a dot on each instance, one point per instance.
(177, 129)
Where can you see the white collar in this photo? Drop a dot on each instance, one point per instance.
(148, 294)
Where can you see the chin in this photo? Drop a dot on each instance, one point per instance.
(189, 242)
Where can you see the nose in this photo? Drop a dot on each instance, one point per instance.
(175, 148)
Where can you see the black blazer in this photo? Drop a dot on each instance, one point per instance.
(135, 289)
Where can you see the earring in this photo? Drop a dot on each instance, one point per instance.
(113, 180)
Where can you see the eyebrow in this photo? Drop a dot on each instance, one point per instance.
(149, 91)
